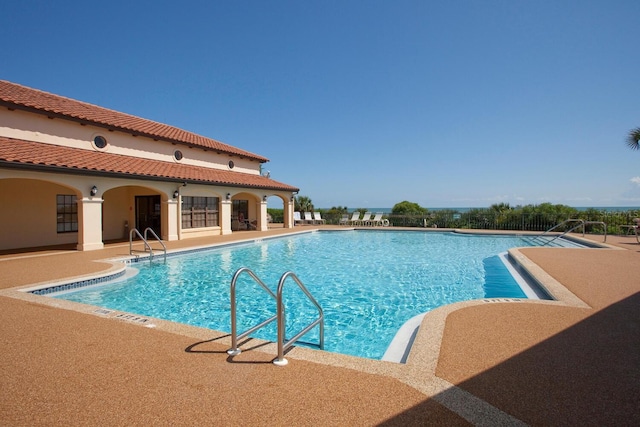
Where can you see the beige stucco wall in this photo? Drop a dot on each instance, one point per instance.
(117, 209)
(28, 197)
(36, 127)
(28, 214)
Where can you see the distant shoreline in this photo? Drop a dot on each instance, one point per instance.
(463, 210)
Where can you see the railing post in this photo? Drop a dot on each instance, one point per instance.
(234, 350)
(280, 360)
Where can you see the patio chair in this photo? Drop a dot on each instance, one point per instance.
(243, 223)
(377, 220)
(297, 219)
(366, 219)
(355, 217)
(344, 220)
(317, 218)
(632, 228)
(308, 218)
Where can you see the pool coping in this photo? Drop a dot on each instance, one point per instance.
(419, 371)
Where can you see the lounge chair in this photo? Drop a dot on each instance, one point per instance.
(317, 218)
(297, 219)
(633, 229)
(355, 217)
(377, 220)
(366, 219)
(244, 223)
(308, 218)
(344, 220)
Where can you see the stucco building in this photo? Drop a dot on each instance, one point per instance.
(76, 173)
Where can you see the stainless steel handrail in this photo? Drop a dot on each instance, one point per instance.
(282, 346)
(279, 316)
(153, 233)
(234, 350)
(541, 237)
(597, 222)
(134, 231)
(581, 222)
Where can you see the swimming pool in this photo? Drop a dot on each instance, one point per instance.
(369, 283)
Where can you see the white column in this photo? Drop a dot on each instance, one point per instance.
(90, 224)
(170, 219)
(225, 216)
(263, 224)
(288, 214)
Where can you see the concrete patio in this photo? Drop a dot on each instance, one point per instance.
(569, 362)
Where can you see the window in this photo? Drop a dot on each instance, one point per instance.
(177, 155)
(240, 207)
(100, 142)
(231, 164)
(200, 212)
(67, 213)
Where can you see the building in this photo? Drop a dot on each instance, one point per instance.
(76, 173)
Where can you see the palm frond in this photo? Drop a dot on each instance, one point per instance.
(633, 139)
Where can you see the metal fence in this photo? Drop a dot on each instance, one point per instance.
(516, 221)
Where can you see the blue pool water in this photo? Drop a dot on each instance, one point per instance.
(368, 283)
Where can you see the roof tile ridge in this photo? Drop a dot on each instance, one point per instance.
(126, 116)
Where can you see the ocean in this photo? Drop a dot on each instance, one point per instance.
(463, 210)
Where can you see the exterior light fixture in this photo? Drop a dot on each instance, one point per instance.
(176, 194)
(264, 198)
(94, 190)
(228, 196)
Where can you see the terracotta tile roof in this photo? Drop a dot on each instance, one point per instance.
(35, 155)
(16, 96)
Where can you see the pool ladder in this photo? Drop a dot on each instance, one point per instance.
(283, 343)
(145, 241)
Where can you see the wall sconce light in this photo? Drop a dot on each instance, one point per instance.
(264, 198)
(94, 190)
(176, 194)
(228, 196)
(292, 197)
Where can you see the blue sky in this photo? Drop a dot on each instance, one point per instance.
(366, 103)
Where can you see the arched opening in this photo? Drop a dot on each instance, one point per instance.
(128, 207)
(245, 212)
(38, 213)
(277, 211)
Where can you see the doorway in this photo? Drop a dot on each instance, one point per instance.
(148, 213)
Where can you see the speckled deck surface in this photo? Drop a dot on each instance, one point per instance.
(574, 361)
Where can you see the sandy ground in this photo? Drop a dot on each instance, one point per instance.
(574, 361)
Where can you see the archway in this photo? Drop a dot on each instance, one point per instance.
(38, 213)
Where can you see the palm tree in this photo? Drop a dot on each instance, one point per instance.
(633, 139)
(303, 204)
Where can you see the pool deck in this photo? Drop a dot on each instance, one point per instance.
(573, 361)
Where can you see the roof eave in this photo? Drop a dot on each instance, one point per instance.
(93, 172)
(52, 114)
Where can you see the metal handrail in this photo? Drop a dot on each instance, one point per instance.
(134, 231)
(581, 222)
(279, 316)
(541, 237)
(153, 233)
(234, 350)
(282, 346)
(597, 222)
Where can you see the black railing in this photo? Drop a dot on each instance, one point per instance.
(491, 220)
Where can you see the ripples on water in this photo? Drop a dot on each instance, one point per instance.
(368, 283)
